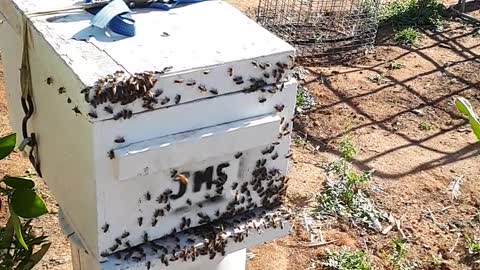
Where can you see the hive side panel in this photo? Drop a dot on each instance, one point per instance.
(64, 137)
(11, 60)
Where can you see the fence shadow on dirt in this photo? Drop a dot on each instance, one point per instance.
(444, 39)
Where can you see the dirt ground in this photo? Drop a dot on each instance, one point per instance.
(404, 125)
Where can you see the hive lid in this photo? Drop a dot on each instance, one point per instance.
(210, 43)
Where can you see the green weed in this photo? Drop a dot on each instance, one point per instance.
(413, 13)
(345, 196)
(299, 99)
(407, 36)
(378, 79)
(399, 256)
(346, 259)
(393, 65)
(425, 126)
(347, 148)
(473, 245)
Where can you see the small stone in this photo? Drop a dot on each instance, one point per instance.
(418, 112)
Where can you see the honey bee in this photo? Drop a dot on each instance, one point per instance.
(274, 156)
(234, 185)
(262, 66)
(118, 241)
(189, 202)
(202, 88)
(76, 110)
(168, 207)
(182, 179)
(113, 248)
(108, 109)
(263, 162)
(268, 150)
(262, 99)
(93, 114)
(154, 222)
(140, 221)
(266, 75)
(105, 227)
(119, 140)
(61, 90)
(165, 34)
(125, 234)
(279, 107)
(179, 80)
(118, 115)
(69, 100)
(111, 154)
(214, 91)
(145, 237)
(49, 80)
(191, 83)
(238, 155)
(177, 99)
(167, 69)
(289, 155)
(165, 101)
(254, 63)
(157, 93)
(207, 71)
(148, 197)
(230, 72)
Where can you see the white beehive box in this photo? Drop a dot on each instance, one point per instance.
(201, 91)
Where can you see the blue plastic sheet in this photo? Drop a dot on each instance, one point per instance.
(117, 15)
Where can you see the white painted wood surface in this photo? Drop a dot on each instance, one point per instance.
(192, 47)
(210, 36)
(172, 151)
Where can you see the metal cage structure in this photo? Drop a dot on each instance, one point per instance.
(322, 30)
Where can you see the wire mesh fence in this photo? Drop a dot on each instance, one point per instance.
(322, 30)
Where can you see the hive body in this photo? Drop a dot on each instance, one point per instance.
(184, 124)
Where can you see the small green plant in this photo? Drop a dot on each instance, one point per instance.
(18, 243)
(425, 126)
(394, 65)
(378, 78)
(299, 99)
(407, 36)
(437, 261)
(346, 259)
(473, 245)
(412, 13)
(399, 256)
(347, 148)
(465, 108)
(345, 196)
